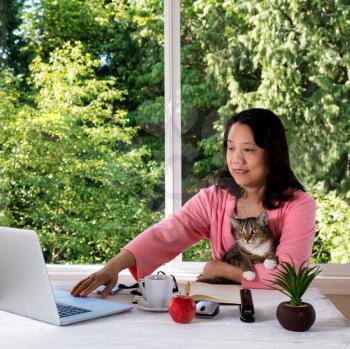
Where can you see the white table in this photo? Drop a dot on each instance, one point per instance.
(141, 329)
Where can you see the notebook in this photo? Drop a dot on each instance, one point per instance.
(223, 294)
(25, 287)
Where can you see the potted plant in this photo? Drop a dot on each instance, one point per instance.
(294, 315)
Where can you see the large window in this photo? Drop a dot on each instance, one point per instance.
(82, 112)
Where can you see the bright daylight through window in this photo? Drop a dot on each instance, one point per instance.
(102, 136)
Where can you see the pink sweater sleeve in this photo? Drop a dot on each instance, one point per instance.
(165, 240)
(297, 220)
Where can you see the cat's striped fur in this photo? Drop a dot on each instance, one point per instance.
(254, 244)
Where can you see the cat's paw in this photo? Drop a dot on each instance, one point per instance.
(249, 275)
(270, 263)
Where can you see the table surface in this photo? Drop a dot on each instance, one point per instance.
(142, 329)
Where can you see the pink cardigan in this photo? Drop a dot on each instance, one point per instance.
(206, 216)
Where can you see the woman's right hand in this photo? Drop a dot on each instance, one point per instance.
(106, 276)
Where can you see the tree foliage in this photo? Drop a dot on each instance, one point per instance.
(333, 227)
(10, 43)
(82, 108)
(72, 173)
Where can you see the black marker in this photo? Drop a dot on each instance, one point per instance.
(247, 306)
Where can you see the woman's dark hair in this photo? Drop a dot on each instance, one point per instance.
(270, 135)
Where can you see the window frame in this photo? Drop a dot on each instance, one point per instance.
(172, 110)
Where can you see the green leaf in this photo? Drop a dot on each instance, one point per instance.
(293, 282)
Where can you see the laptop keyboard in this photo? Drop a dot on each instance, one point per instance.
(65, 310)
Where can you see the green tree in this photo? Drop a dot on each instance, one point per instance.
(8, 110)
(125, 35)
(73, 173)
(127, 38)
(11, 43)
(333, 228)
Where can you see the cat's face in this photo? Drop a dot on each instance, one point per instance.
(251, 231)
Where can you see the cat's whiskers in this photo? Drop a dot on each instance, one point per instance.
(253, 244)
(259, 250)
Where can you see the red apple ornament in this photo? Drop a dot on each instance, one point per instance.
(182, 309)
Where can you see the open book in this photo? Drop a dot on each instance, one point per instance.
(224, 294)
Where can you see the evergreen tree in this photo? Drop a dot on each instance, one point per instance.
(73, 174)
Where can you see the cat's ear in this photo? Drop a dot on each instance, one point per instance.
(234, 221)
(263, 219)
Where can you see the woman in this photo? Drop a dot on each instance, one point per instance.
(256, 177)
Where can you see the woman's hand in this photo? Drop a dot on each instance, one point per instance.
(218, 268)
(106, 276)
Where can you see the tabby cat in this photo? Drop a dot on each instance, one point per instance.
(254, 244)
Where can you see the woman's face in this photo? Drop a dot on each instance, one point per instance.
(247, 162)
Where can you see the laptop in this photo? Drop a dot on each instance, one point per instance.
(25, 287)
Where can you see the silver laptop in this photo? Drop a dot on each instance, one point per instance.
(25, 287)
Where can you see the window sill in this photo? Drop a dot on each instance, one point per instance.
(334, 278)
(189, 271)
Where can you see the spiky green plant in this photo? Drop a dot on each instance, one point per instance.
(292, 282)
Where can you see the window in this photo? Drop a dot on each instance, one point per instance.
(97, 77)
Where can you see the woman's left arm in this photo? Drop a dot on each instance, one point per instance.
(218, 268)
